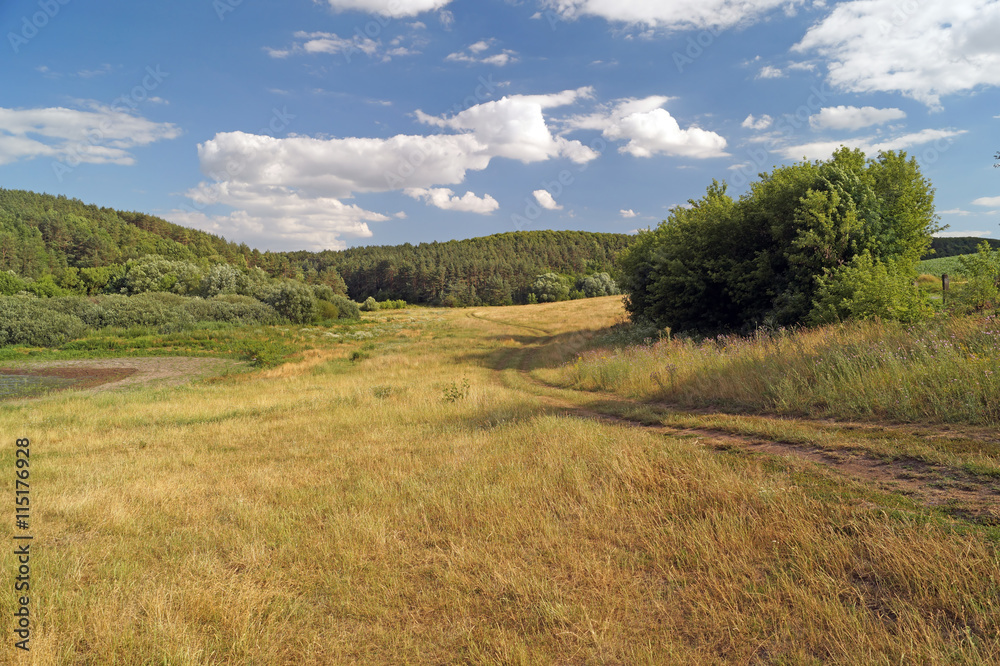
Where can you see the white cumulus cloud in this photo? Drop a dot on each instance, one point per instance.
(100, 135)
(852, 117)
(546, 200)
(986, 201)
(291, 190)
(934, 49)
(761, 123)
(628, 213)
(393, 8)
(446, 199)
(649, 130)
(476, 53)
(674, 15)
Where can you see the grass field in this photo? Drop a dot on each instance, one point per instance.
(442, 491)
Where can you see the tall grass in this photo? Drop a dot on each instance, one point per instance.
(946, 370)
(330, 512)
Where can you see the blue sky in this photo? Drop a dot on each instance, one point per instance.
(313, 124)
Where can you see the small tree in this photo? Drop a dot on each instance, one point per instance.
(550, 287)
(982, 272)
(370, 304)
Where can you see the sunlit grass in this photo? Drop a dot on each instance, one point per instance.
(335, 511)
(947, 370)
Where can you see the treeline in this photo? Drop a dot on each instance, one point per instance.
(493, 270)
(54, 246)
(952, 247)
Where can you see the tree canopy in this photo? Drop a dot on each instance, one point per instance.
(787, 251)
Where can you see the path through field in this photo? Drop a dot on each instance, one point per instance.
(958, 491)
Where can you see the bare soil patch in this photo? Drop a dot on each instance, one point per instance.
(109, 374)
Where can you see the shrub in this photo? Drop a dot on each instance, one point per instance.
(232, 309)
(392, 305)
(294, 301)
(26, 321)
(598, 284)
(550, 287)
(153, 273)
(10, 284)
(347, 308)
(982, 272)
(326, 311)
(370, 305)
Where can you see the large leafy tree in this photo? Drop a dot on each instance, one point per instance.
(721, 265)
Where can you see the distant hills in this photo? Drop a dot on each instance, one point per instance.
(46, 235)
(951, 247)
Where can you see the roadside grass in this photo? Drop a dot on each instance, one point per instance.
(415, 507)
(943, 371)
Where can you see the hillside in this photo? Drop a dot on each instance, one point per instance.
(42, 234)
(952, 247)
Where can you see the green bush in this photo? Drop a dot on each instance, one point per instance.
(326, 311)
(232, 309)
(347, 308)
(865, 289)
(392, 305)
(550, 287)
(10, 284)
(370, 305)
(294, 301)
(26, 321)
(598, 284)
(982, 273)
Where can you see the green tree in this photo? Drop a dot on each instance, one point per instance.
(720, 264)
(550, 287)
(982, 273)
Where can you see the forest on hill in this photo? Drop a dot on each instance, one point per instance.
(58, 246)
(953, 247)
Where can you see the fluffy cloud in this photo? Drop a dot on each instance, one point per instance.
(102, 135)
(290, 190)
(394, 8)
(936, 49)
(628, 213)
(852, 117)
(870, 145)
(445, 199)
(675, 15)
(514, 127)
(546, 200)
(761, 123)
(987, 201)
(649, 130)
(276, 217)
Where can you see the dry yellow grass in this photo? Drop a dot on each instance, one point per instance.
(346, 512)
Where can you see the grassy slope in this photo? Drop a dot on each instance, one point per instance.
(333, 511)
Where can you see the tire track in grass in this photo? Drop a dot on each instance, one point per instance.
(967, 495)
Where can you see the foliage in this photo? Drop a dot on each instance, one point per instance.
(953, 246)
(455, 392)
(550, 288)
(26, 321)
(722, 265)
(293, 300)
(865, 289)
(370, 305)
(346, 308)
(596, 285)
(397, 304)
(982, 272)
